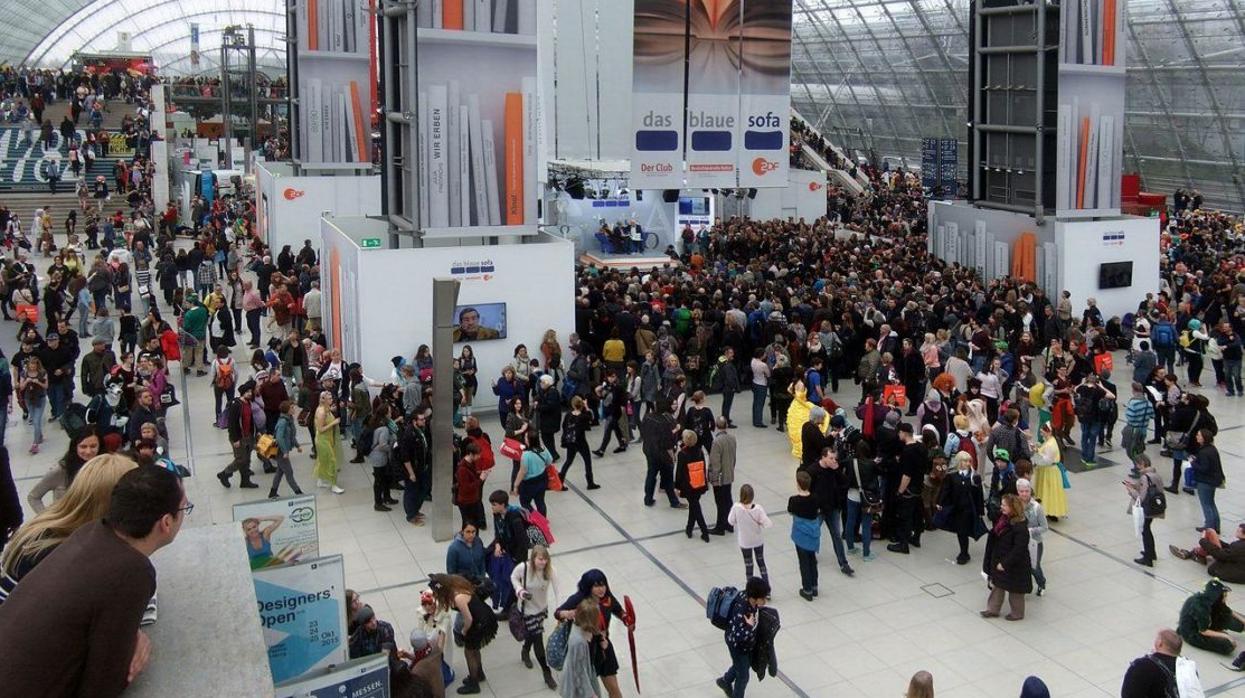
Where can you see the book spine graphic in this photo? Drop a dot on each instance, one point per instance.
(438, 157)
(490, 171)
(478, 184)
(514, 169)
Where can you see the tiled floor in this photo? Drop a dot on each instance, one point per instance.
(863, 637)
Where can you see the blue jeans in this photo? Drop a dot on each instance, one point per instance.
(737, 676)
(1205, 497)
(1232, 369)
(859, 527)
(758, 405)
(834, 522)
(58, 395)
(1089, 439)
(37, 407)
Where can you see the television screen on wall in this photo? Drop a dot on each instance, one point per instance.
(480, 322)
(1115, 275)
(693, 205)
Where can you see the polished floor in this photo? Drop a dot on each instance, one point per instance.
(864, 636)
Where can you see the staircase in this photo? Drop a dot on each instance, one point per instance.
(21, 161)
(857, 185)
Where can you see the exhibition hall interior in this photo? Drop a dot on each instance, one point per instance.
(520, 348)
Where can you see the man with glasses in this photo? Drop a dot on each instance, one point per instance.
(71, 627)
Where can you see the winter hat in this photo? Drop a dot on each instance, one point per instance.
(1034, 688)
(892, 418)
(1002, 454)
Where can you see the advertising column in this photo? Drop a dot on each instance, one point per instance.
(713, 94)
(765, 93)
(658, 102)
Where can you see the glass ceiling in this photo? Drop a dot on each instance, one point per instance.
(50, 31)
(877, 76)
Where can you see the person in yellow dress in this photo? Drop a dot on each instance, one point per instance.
(1048, 478)
(797, 415)
(326, 443)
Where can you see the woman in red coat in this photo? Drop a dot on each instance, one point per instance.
(169, 344)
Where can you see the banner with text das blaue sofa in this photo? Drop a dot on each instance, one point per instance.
(658, 94)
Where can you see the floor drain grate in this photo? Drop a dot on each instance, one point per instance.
(937, 590)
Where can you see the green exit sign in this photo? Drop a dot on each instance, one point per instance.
(370, 243)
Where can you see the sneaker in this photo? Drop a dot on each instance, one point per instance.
(853, 551)
(806, 595)
(336, 490)
(869, 557)
(620, 449)
(380, 507)
(322, 484)
(1238, 664)
(847, 570)
(272, 494)
(599, 454)
(1179, 553)
(1041, 590)
(1088, 463)
(594, 486)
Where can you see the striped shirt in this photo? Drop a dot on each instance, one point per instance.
(1138, 412)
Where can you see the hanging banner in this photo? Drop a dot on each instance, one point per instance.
(279, 531)
(713, 93)
(302, 607)
(765, 93)
(929, 164)
(194, 45)
(657, 110)
(366, 677)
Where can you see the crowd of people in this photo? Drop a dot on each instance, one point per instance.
(966, 394)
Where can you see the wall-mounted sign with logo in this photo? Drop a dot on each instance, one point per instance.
(1114, 239)
(473, 270)
(291, 193)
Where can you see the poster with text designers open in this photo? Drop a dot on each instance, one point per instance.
(302, 607)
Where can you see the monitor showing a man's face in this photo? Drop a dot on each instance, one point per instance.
(469, 320)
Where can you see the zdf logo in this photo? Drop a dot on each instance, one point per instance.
(814, 186)
(291, 193)
(762, 167)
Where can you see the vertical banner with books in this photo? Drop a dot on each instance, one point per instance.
(713, 91)
(194, 45)
(279, 531)
(659, 99)
(302, 607)
(765, 93)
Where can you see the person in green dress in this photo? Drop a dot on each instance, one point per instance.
(326, 444)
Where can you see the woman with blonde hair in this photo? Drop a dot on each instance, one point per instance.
(85, 501)
(921, 685)
(534, 581)
(326, 443)
(579, 677)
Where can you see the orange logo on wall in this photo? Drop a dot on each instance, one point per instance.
(291, 193)
(814, 186)
(761, 166)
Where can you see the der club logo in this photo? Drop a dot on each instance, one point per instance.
(291, 193)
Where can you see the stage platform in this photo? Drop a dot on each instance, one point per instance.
(626, 261)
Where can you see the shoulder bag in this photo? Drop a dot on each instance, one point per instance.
(870, 501)
(517, 622)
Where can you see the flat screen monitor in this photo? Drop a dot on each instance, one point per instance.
(479, 322)
(693, 206)
(1115, 275)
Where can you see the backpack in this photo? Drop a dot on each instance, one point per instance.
(720, 604)
(696, 475)
(1153, 501)
(966, 445)
(537, 526)
(225, 377)
(835, 351)
(74, 419)
(1163, 334)
(366, 441)
(1104, 362)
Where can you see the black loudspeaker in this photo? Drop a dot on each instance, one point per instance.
(752, 193)
(639, 195)
(670, 195)
(575, 188)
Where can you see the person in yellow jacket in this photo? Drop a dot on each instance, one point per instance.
(797, 415)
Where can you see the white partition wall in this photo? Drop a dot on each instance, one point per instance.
(385, 295)
(288, 208)
(803, 197)
(1084, 247)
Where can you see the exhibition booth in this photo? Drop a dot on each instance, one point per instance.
(803, 197)
(1114, 260)
(288, 207)
(371, 289)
